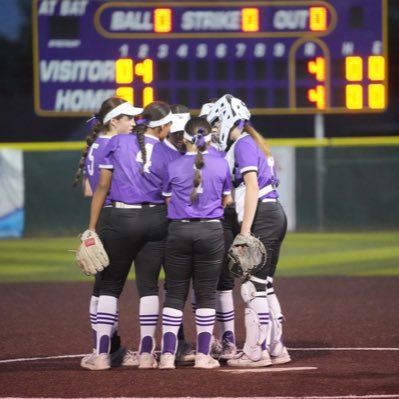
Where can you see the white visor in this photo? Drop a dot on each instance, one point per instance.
(205, 109)
(161, 122)
(179, 122)
(122, 109)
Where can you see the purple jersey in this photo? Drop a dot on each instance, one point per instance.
(92, 161)
(250, 157)
(214, 151)
(171, 152)
(216, 182)
(129, 184)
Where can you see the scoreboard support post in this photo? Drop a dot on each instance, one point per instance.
(320, 170)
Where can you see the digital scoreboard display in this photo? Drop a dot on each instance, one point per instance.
(280, 57)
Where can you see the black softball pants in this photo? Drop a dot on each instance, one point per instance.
(137, 235)
(194, 250)
(270, 226)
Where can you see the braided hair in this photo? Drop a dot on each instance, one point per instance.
(97, 128)
(198, 128)
(152, 112)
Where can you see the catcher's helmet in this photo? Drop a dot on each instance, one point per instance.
(228, 110)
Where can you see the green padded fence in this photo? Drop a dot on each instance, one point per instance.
(341, 184)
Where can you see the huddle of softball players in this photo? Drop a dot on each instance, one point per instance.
(171, 190)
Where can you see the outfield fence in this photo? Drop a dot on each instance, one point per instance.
(326, 185)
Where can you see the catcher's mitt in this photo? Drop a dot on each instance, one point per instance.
(246, 256)
(91, 255)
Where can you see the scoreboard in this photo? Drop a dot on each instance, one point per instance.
(280, 57)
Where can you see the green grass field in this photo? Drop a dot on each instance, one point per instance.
(303, 254)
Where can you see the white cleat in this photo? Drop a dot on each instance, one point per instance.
(167, 361)
(203, 361)
(242, 360)
(124, 357)
(282, 358)
(96, 362)
(147, 361)
(130, 359)
(229, 350)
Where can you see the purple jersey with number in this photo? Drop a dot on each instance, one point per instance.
(92, 161)
(216, 182)
(250, 157)
(129, 184)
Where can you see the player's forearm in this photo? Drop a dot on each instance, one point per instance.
(251, 203)
(97, 204)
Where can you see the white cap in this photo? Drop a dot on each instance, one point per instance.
(123, 109)
(179, 122)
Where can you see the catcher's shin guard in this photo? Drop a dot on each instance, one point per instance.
(255, 332)
(252, 346)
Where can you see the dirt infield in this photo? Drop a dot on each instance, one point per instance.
(343, 336)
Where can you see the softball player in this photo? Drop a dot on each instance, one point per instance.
(135, 230)
(180, 116)
(261, 214)
(174, 148)
(197, 185)
(114, 117)
(223, 348)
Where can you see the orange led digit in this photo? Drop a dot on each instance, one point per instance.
(376, 96)
(317, 67)
(317, 96)
(162, 20)
(126, 93)
(376, 67)
(317, 19)
(354, 96)
(124, 71)
(145, 70)
(353, 68)
(250, 20)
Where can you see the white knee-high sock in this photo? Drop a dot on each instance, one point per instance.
(149, 313)
(171, 321)
(225, 315)
(93, 318)
(106, 316)
(204, 321)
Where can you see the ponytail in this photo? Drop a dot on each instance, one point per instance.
(259, 139)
